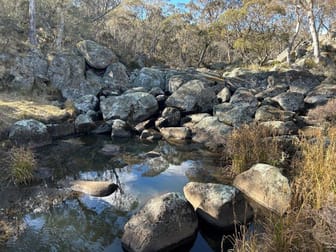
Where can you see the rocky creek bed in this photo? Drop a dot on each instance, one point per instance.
(50, 217)
(180, 106)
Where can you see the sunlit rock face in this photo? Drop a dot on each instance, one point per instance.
(265, 185)
(30, 132)
(97, 56)
(163, 222)
(94, 188)
(132, 107)
(219, 205)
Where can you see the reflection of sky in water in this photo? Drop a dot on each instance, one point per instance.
(135, 186)
(95, 224)
(35, 223)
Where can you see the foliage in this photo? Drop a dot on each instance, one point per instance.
(198, 33)
(22, 164)
(252, 144)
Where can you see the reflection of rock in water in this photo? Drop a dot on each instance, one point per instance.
(156, 166)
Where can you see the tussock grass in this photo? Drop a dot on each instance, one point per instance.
(324, 113)
(315, 180)
(5, 233)
(22, 164)
(252, 144)
(310, 223)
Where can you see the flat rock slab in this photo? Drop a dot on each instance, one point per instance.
(94, 188)
(162, 223)
(265, 185)
(219, 205)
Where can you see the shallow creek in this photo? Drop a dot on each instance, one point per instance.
(85, 223)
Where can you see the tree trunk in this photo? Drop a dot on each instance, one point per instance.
(60, 28)
(32, 23)
(202, 55)
(292, 40)
(313, 31)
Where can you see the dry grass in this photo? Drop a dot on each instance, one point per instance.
(22, 164)
(315, 180)
(324, 113)
(5, 233)
(310, 223)
(252, 144)
(14, 107)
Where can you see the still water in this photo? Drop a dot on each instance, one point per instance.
(143, 170)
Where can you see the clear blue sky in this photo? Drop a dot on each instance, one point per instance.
(179, 1)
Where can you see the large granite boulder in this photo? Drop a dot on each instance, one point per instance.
(290, 101)
(265, 185)
(175, 133)
(85, 103)
(175, 81)
(233, 114)
(220, 205)
(149, 78)
(280, 127)
(29, 70)
(94, 188)
(211, 132)
(194, 96)
(116, 77)
(321, 94)
(272, 91)
(130, 107)
(302, 81)
(67, 73)
(30, 132)
(269, 113)
(162, 223)
(244, 96)
(97, 56)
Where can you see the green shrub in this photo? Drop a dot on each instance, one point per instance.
(22, 164)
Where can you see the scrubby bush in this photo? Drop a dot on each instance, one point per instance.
(22, 164)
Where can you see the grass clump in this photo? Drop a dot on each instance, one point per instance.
(251, 144)
(5, 233)
(315, 181)
(309, 224)
(324, 113)
(22, 164)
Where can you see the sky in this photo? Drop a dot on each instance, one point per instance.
(179, 1)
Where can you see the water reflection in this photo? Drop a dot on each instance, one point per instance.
(87, 223)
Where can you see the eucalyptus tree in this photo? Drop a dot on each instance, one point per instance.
(32, 23)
